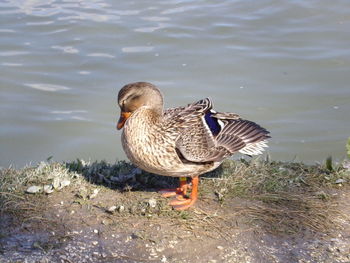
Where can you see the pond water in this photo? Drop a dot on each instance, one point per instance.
(283, 64)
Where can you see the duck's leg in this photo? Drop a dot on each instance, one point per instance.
(185, 203)
(180, 191)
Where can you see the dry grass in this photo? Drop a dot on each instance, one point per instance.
(280, 197)
(285, 197)
(14, 200)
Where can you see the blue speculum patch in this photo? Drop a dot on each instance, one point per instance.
(212, 123)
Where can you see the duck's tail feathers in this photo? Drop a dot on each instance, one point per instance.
(254, 148)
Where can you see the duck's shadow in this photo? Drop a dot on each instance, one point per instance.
(124, 176)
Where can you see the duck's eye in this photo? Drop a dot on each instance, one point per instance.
(135, 97)
(122, 104)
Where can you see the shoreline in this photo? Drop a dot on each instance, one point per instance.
(257, 211)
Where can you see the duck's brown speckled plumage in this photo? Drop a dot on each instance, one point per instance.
(178, 142)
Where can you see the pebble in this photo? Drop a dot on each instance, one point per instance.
(34, 189)
(112, 209)
(121, 209)
(346, 165)
(48, 189)
(152, 203)
(340, 181)
(94, 194)
(64, 183)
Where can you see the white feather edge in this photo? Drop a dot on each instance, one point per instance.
(254, 148)
(250, 149)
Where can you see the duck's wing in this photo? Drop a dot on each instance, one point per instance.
(205, 135)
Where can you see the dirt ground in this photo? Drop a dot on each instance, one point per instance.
(92, 222)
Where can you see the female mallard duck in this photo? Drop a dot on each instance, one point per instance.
(182, 142)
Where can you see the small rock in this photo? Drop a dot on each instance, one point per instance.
(340, 181)
(330, 249)
(121, 208)
(94, 243)
(220, 247)
(34, 189)
(48, 189)
(95, 231)
(94, 194)
(64, 183)
(346, 165)
(152, 203)
(112, 209)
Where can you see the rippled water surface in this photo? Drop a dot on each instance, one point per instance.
(283, 64)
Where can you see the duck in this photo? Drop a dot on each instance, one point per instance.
(183, 142)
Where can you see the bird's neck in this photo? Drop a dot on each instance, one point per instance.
(145, 118)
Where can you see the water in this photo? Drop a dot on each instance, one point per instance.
(283, 64)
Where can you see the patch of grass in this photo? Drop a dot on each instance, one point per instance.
(285, 197)
(246, 180)
(282, 197)
(298, 192)
(121, 175)
(14, 200)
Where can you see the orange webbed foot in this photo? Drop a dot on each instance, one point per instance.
(170, 192)
(180, 191)
(182, 202)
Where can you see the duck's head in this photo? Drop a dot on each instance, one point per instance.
(135, 95)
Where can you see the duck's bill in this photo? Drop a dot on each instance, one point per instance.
(123, 117)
